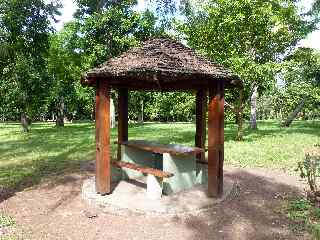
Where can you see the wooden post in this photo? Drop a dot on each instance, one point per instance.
(215, 140)
(122, 118)
(103, 166)
(200, 138)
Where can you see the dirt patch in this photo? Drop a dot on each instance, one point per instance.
(56, 211)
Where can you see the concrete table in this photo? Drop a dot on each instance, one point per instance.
(173, 158)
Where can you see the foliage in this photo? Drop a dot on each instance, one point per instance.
(99, 32)
(310, 169)
(162, 106)
(40, 69)
(300, 74)
(25, 29)
(6, 221)
(245, 33)
(306, 212)
(315, 10)
(46, 67)
(110, 28)
(305, 216)
(66, 64)
(247, 36)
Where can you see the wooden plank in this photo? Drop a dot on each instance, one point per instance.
(147, 170)
(203, 162)
(122, 118)
(181, 82)
(97, 136)
(221, 139)
(200, 138)
(216, 141)
(103, 168)
(173, 149)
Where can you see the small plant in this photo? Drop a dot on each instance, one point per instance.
(305, 212)
(316, 231)
(298, 212)
(6, 221)
(8, 238)
(305, 217)
(310, 169)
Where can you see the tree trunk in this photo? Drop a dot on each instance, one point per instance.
(25, 123)
(93, 114)
(142, 111)
(239, 118)
(112, 114)
(238, 111)
(140, 115)
(236, 118)
(294, 114)
(60, 113)
(253, 116)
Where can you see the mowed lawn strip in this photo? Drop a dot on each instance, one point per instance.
(47, 151)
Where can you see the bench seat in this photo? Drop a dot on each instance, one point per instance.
(154, 181)
(147, 170)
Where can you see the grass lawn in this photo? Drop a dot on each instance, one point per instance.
(47, 151)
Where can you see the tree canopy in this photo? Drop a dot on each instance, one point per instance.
(25, 31)
(250, 37)
(40, 68)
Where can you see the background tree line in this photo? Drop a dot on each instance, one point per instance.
(40, 69)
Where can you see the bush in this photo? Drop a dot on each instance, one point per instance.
(310, 169)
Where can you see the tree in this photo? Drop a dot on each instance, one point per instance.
(25, 28)
(108, 28)
(66, 63)
(301, 75)
(248, 36)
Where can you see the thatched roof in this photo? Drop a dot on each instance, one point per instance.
(161, 64)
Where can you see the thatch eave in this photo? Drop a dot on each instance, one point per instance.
(163, 63)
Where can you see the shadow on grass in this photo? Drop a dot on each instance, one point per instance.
(29, 174)
(48, 152)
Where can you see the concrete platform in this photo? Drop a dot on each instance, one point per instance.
(129, 197)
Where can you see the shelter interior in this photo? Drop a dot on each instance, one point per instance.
(162, 65)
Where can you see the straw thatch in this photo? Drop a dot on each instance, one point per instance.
(161, 63)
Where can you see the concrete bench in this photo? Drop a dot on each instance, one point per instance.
(154, 181)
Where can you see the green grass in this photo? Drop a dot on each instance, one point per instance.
(6, 221)
(47, 151)
(272, 146)
(305, 216)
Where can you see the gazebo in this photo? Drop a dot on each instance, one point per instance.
(161, 65)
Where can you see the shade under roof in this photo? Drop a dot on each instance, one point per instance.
(161, 64)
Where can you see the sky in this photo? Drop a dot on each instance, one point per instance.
(69, 7)
(312, 40)
(67, 13)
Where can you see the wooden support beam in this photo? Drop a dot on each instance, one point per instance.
(122, 118)
(215, 140)
(103, 160)
(201, 108)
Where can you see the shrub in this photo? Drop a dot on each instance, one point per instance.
(310, 169)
